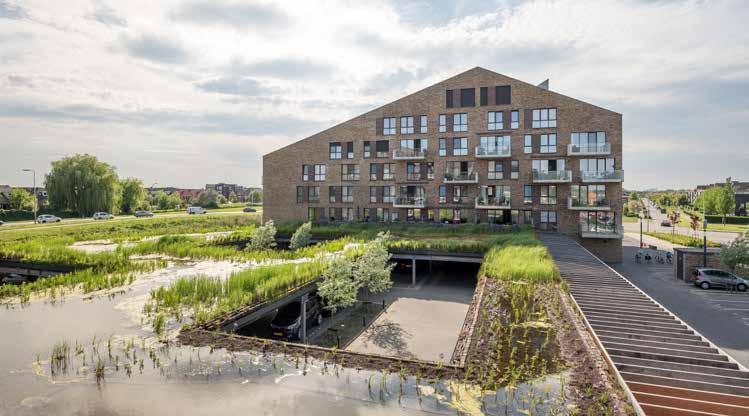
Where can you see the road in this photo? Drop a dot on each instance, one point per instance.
(654, 225)
(720, 316)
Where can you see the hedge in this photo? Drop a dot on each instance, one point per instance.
(22, 215)
(718, 219)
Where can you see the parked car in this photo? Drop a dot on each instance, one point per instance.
(196, 210)
(45, 218)
(1, 223)
(709, 278)
(143, 213)
(103, 216)
(13, 279)
(249, 209)
(287, 324)
(665, 223)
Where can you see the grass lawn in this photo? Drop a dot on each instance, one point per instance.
(681, 239)
(630, 219)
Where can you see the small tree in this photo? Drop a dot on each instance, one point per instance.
(735, 254)
(20, 199)
(161, 200)
(208, 199)
(233, 197)
(673, 216)
(372, 269)
(256, 196)
(694, 223)
(337, 288)
(263, 237)
(726, 200)
(174, 201)
(302, 236)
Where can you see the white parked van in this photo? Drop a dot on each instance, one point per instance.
(196, 210)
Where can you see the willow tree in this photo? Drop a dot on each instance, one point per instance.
(83, 184)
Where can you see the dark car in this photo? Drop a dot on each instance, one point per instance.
(287, 323)
(666, 223)
(143, 213)
(249, 209)
(13, 279)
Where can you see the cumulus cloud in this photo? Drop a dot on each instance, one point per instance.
(9, 10)
(106, 15)
(156, 48)
(233, 14)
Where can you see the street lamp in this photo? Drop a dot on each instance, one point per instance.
(33, 190)
(704, 234)
(642, 217)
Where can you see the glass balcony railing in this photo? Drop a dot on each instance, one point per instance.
(601, 229)
(599, 204)
(552, 176)
(461, 177)
(589, 149)
(492, 202)
(461, 200)
(410, 202)
(493, 151)
(406, 153)
(602, 176)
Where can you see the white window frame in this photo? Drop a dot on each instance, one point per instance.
(443, 123)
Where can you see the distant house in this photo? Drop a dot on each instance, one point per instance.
(226, 189)
(741, 189)
(5, 196)
(41, 195)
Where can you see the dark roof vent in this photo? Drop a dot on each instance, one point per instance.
(544, 85)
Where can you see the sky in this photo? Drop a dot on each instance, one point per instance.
(189, 92)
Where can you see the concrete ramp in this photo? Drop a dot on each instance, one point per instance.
(669, 368)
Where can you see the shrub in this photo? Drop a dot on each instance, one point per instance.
(263, 238)
(736, 254)
(302, 236)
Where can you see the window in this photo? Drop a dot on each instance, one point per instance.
(460, 122)
(306, 172)
(495, 120)
(413, 171)
(382, 147)
(335, 150)
(458, 193)
(515, 119)
(367, 150)
(588, 195)
(422, 124)
(373, 194)
(319, 173)
(388, 126)
(548, 143)
(388, 171)
(449, 99)
(443, 147)
(430, 170)
(373, 171)
(443, 194)
(544, 117)
(348, 214)
(468, 97)
(347, 194)
(548, 219)
(502, 94)
(492, 144)
(527, 216)
(313, 194)
(527, 194)
(484, 96)
(496, 170)
(549, 195)
(407, 125)
(350, 172)
(414, 144)
(514, 169)
(349, 150)
(332, 191)
(553, 165)
(299, 194)
(528, 144)
(458, 169)
(388, 194)
(443, 123)
(597, 165)
(588, 141)
(460, 146)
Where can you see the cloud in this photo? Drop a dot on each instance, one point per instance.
(11, 11)
(284, 68)
(232, 14)
(246, 87)
(106, 15)
(156, 48)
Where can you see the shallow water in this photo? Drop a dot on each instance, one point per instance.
(107, 329)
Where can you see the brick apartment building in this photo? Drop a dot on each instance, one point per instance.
(477, 147)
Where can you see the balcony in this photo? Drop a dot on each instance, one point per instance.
(462, 177)
(410, 202)
(588, 149)
(552, 176)
(461, 200)
(492, 152)
(493, 202)
(602, 176)
(409, 154)
(415, 177)
(601, 230)
(576, 204)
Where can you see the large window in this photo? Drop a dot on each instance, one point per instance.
(388, 126)
(347, 194)
(449, 98)
(382, 148)
(502, 94)
(413, 171)
(332, 194)
(373, 194)
(588, 141)
(335, 150)
(388, 171)
(407, 125)
(553, 165)
(495, 120)
(528, 144)
(313, 194)
(548, 143)
(588, 195)
(414, 144)
(484, 96)
(422, 124)
(468, 97)
(548, 195)
(514, 169)
(443, 194)
(496, 170)
(460, 146)
(388, 194)
(367, 150)
(350, 172)
(349, 150)
(373, 171)
(307, 172)
(597, 165)
(548, 220)
(514, 119)
(544, 117)
(460, 122)
(443, 123)
(299, 194)
(319, 173)
(443, 147)
(527, 194)
(493, 143)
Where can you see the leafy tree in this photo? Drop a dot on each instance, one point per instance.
(337, 287)
(132, 195)
(233, 197)
(208, 199)
(735, 254)
(83, 184)
(263, 237)
(161, 199)
(174, 201)
(694, 223)
(221, 200)
(20, 199)
(256, 196)
(302, 236)
(726, 200)
(634, 196)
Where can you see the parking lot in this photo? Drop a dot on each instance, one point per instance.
(721, 316)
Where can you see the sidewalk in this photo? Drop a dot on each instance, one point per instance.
(648, 240)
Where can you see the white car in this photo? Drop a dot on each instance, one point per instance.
(103, 216)
(196, 210)
(45, 218)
